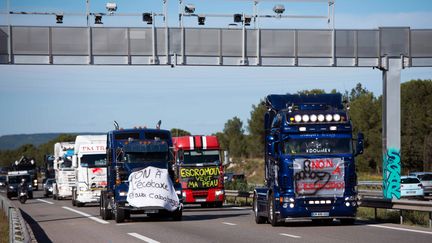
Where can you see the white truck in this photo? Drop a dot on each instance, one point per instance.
(89, 161)
(64, 171)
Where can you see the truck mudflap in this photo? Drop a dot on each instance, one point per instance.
(260, 206)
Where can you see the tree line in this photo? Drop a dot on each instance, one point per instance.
(247, 140)
(365, 113)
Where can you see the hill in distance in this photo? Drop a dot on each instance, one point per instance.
(11, 142)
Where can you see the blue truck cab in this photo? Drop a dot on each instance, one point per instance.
(130, 150)
(309, 161)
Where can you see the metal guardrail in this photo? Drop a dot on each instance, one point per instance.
(19, 231)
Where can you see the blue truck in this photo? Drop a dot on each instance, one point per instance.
(134, 154)
(309, 161)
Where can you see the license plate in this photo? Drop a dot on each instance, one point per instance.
(410, 192)
(200, 200)
(152, 211)
(320, 214)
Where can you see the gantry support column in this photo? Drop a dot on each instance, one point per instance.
(391, 121)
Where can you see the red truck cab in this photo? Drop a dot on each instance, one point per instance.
(199, 168)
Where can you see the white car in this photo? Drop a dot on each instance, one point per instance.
(426, 180)
(411, 187)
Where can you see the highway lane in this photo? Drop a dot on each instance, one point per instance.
(59, 221)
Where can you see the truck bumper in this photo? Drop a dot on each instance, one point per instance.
(203, 196)
(323, 209)
(64, 191)
(88, 196)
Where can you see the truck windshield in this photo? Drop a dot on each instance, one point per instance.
(17, 179)
(93, 160)
(318, 146)
(142, 157)
(203, 156)
(66, 163)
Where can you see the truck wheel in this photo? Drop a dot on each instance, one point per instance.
(31, 195)
(177, 214)
(218, 204)
(119, 215)
(258, 219)
(273, 218)
(79, 204)
(127, 214)
(105, 213)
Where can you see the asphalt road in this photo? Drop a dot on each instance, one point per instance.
(59, 221)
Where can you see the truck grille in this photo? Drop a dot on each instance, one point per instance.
(199, 193)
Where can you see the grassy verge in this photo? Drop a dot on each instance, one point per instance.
(239, 201)
(4, 228)
(392, 216)
(362, 176)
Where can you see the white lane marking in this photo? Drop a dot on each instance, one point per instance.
(227, 223)
(87, 215)
(143, 238)
(401, 229)
(45, 201)
(239, 208)
(292, 236)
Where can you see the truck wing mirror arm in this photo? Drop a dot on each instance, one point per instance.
(360, 144)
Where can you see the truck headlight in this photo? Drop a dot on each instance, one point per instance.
(123, 194)
(219, 192)
(30, 186)
(11, 187)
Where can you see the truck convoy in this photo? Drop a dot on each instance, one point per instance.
(64, 172)
(140, 175)
(309, 161)
(199, 168)
(89, 161)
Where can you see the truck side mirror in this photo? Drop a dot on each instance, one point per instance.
(226, 158)
(55, 164)
(360, 146)
(74, 161)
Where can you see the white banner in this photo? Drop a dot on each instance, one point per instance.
(152, 187)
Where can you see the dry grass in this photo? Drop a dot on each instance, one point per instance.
(253, 168)
(4, 228)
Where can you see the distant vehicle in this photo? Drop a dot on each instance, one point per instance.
(426, 180)
(89, 161)
(14, 179)
(64, 172)
(2, 181)
(199, 168)
(48, 187)
(411, 187)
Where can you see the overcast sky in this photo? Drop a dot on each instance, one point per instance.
(39, 99)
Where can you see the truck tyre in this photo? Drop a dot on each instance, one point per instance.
(31, 195)
(105, 213)
(177, 214)
(273, 218)
(73, 196)
(218, 204)
(258, 219)
(127, 214)
(350, 221)
(119, 215)
(79, 204)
